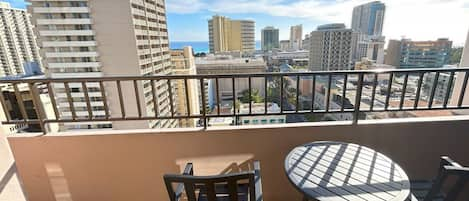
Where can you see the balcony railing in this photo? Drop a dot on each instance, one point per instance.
(296, 93)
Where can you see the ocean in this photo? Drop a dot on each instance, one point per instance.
(199, 46)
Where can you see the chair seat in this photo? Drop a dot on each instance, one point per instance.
(222, 192)
(420, 189)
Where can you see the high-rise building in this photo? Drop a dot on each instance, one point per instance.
(332, 47)
(187, 95)
(306, 42)
(425, 54)
(78, 39)
(226, 35)
(393, 53)
(370, 47)
(270, 38)
(284, 45)
(296, 37)
(368, 18)
(18, 48)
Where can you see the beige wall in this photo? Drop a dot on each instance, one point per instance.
(130, 166)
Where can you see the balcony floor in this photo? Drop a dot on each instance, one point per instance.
(10, 188)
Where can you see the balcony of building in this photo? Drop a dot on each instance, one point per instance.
(128, 163)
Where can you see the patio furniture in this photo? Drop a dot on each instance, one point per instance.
(343, 171)
(432, 190)
(242, 186)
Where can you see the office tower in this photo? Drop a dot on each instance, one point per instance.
(97, 38)
(270, 38)
(425, 54)
(370, 47)
(296, 37)
(284, 45)
(19, 53)
(368, 18)
(226, 35)
(184, 64)
(306, 42)
(332, 47)
(393, 53)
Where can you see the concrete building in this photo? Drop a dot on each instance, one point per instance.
(285, 45)
(229, 65)
(306, 42)
(441, 87)
(18, 48)
(97, 38)
(425, 54)
(260, 120)
(270, 38)
(370, 47)
(296, 58)
(393, 53)
(368, 18)
(184, 64)
(296, 37)
(458, 84)
(226, 35)
(332, 47)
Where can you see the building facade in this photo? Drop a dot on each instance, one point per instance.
(19, 53)
(332, 47)
(393, 53)
(226, 35)
(187, 95)
(370, 47)
(270, 38)
(284, 45)
(369, 18)
(97, 38)
(296, 37)
(425, 54)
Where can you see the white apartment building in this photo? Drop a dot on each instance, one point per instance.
(296, 37)
(94, 38)
(19, 53)
(332, 47)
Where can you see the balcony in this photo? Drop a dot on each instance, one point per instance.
(128, 164)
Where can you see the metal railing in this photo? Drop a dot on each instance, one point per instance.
(395, 92)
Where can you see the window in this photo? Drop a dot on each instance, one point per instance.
(255, 121)
(264, 121)
(273, 121)
(281, 120)
(246, 121)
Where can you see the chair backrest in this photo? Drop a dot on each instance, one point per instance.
(207, 185)
(449, 168)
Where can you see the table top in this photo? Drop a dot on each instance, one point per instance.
(343, 171)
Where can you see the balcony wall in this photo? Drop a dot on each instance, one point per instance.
(124, 165)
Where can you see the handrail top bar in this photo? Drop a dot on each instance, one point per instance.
(240, 75)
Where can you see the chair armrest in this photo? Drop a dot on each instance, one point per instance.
(445, 161)
(188, 170)
(257, 180)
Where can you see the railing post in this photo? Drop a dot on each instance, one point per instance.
(204, 112)
(38, 107)
(358, 97)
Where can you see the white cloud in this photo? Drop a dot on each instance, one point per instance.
(417, 19)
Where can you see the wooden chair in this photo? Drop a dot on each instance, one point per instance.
(228, 187)
(432, 190)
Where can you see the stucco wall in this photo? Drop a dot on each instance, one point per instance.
(125, 167)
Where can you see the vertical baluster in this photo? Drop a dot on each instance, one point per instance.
(52, 100)
(4, 106)
(70, 100)
(188, 105)
(448, 89)
(388, 96)
(432, 95)
(373, 93)
(344, 92)
(313, 93)
(404, 89)
(103, 95)
(328, 97)
(121, 98)
(358, 98)
(297, 106)
(281, 94)
(137, 99)
(87, 100)
(155, 100)
(38, 106)
(234, 98)
(250, 94)
(171, 105)
(419, 90)
(266, 94)
(463, 88)
(204, 113)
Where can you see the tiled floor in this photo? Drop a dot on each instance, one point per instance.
(10, 189)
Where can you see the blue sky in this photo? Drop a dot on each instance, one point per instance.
(415, 19)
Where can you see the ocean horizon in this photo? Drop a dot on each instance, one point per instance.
(198, 46)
